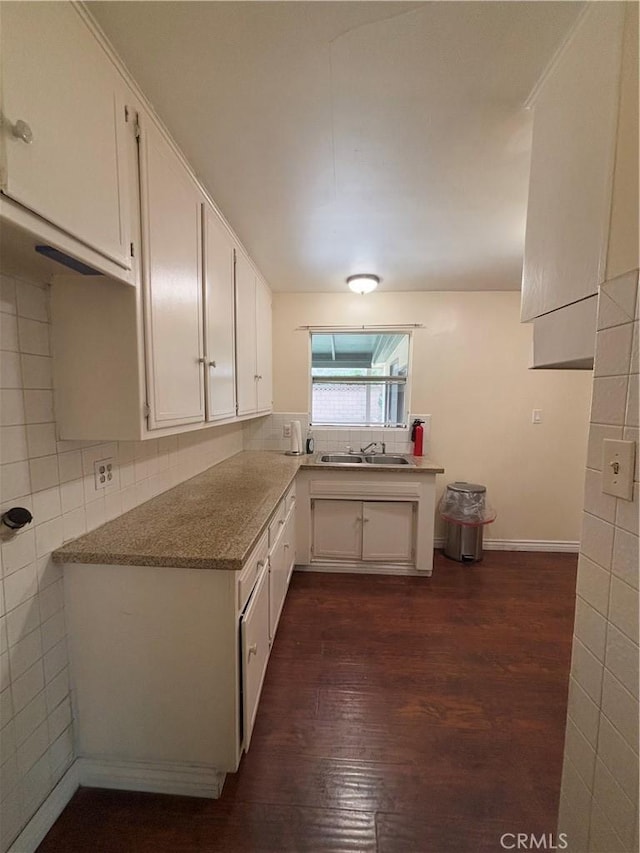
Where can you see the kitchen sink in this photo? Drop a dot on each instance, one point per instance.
(370, 459)
(385, 459)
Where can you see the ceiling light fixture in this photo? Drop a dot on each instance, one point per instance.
(363, 283)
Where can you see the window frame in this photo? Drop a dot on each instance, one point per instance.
(369, 330)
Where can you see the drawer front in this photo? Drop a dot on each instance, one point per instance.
(254, 637)
(277, 523)
(251, 570)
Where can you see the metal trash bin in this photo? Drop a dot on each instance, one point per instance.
(465, 510)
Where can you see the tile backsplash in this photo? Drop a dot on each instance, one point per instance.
(55, 481)
(599, 796)
(268, 434)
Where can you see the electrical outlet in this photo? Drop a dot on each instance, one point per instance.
(286, 430)
(103, 471)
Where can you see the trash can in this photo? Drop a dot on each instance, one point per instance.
(465, 510)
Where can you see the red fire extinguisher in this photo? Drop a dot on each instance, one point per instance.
(417, 436)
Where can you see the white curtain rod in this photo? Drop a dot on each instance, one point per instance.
(361, 328)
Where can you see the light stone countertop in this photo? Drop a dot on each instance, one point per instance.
(209, 522)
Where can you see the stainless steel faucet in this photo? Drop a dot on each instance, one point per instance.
(373, 444)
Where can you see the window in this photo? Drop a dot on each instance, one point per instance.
(359, 378)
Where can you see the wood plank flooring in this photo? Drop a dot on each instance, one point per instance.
(399, 715)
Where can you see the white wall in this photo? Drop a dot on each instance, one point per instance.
(54, 480)
(470, 372)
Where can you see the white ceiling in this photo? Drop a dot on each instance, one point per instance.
(344, 137)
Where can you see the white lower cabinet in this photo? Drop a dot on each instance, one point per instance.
(365, 521)
(388, 531)
(378, 531)
(168, 665)
(337, 530)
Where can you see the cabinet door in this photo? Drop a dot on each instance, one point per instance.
(574, 130)
(263, 347)
(388, 531)
(246, 367)
(289, 537)
(254, 641)
(277, 584)
(218, 265)
(337, 530)
(58, 80)
(172, 284)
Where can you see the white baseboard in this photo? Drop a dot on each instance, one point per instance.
(183, 779)
(34, 832)
(540, 545)
(348, 567)
(548, 545)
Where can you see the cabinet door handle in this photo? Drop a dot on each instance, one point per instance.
(21, 130)
(286, 545)
(260, 564)
(202, 360)
(365, 520)
(281, 522)
(212, 364)
(252, 650)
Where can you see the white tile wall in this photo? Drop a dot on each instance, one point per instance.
(54, 479)
(599, 798)
(267, 434)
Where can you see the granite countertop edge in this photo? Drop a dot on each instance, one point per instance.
(212, 533)
(108, 551)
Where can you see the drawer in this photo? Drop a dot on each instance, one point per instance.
(251, 570)
(277, 523)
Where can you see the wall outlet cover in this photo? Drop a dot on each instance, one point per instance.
(103, 470)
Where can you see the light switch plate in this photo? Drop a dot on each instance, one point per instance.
(617, 468)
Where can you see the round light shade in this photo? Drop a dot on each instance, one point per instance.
(363, 283)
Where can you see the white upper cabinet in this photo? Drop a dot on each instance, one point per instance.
(86, 167)
(253, 337)
(264, 386)
(64, 129)
(572, 161)
(219, 339)
(246, 364)
(172, 282)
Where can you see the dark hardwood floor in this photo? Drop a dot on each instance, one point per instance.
(398, 714)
